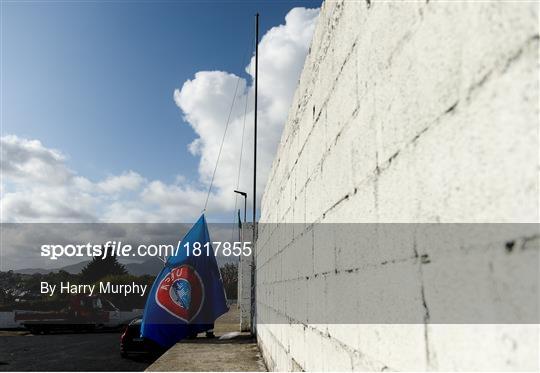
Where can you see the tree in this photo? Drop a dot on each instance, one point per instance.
(130, 301)
(229, 275)
(99, 268)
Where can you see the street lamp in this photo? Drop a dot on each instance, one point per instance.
(243, 194)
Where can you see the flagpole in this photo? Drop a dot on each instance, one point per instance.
(254, 261)
(255, 124)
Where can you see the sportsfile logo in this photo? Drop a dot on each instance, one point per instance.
(119, 249)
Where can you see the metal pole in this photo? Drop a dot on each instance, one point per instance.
(255, 123)
(254, 238)
(243, 194)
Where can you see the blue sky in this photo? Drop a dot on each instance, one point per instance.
(96, 79)
(114, 111)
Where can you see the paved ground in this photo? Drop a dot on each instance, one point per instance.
(21, 351)
(202, 354)
(64, 352)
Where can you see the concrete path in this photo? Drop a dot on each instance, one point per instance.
(202, 354)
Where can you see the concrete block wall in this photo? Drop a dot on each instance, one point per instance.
(405, 112)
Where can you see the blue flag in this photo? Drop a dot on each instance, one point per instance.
(188, 294)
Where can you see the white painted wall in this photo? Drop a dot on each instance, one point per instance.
(245, 266)
(405, 112)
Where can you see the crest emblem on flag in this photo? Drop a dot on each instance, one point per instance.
(181, 293)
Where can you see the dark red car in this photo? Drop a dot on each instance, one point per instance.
(131, 342)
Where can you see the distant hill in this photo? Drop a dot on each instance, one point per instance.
(151, 266)
(31, 271)
(72, 268)
(75, 268)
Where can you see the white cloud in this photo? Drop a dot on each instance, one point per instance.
(48, 204)
(205, 102)
(37, 185)
(53, 193)
(127, 181)
(29, 161)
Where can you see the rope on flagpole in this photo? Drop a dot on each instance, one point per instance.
(225, 133)
(221, 145)
(240, 163)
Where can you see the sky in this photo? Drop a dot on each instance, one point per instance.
(114, 111)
